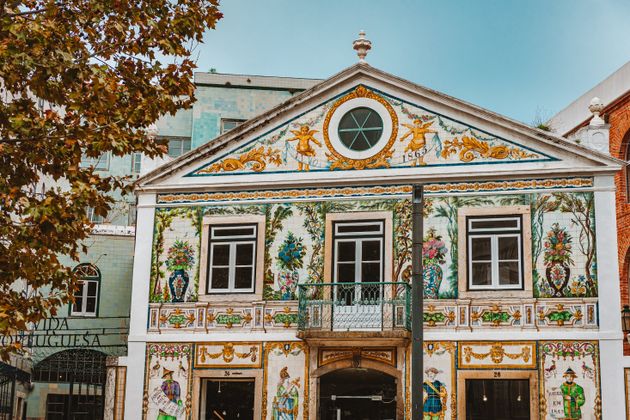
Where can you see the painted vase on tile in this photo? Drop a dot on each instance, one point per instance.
(433, 254)
(178, 284)
(288, 281)
(557, 258)
(290, 258)
(558, 277)
(432, 276)
(180, 257)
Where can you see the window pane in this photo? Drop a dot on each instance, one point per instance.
(481, 274)
(220, 254)
(346, 251)
(345, 272)
(220, 278)
(508, 248)
(78, 304)
(371, 272)
(91, 305)
(481, 249)
(244, 254)
(489, 224)
(235, 231)
(509, 273)
(92, 286)
(243, 277)
(361, 228)
(371, 250)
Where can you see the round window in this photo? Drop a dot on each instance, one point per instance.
(360, 128)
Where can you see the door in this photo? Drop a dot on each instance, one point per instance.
(357, 394)
(502, 399)
(358, 273)
(228, 400)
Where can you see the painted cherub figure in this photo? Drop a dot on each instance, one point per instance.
(417, 144)
(304, 136)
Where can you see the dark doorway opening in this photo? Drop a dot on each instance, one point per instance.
(497, 399)
(357, 394)
(228, 399)
(84, 373)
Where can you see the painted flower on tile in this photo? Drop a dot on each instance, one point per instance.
(291, 253)
(558, 246)
(180, 256)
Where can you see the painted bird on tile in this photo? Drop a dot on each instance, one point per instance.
(551, 370)
(587, 371)
(182, 370)
(155, 370)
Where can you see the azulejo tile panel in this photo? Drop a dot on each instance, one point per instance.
(228, 355)
(168, 381)
(412, 136)
(285, 381)
(204, 317)
(497, 355)
(569, 372)
(562, 244)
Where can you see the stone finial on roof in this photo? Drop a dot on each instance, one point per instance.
(596, 107)
(362, 46)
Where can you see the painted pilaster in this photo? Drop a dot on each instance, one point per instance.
(612, 387)
(139, 306)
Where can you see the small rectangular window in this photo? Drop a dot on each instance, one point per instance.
(133, 211)
(495, 252)
(100, 163)
(229, 123)
(136, 162)
(177, 146)
(232, 259)
(95, 218)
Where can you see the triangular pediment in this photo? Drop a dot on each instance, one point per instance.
(410, 136)
(364, 120)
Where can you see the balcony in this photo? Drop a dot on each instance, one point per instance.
(363, 309)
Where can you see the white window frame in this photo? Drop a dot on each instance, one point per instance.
(238, 296)
(93, 277)
(465, 215)
(494, 234)
(232, 241)
(358, 238)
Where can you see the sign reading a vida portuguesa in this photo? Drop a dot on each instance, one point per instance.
(62, 332)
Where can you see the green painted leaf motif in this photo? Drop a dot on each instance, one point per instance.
(435, 317)
(559, 316)
(286, 319)
(495, 317)
(229, 319)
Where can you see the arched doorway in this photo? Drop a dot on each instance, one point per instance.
(82, 372)
(357, 394)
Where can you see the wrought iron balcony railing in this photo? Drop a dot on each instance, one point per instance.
(354, 306)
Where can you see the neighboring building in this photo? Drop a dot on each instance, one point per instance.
(608, 131)
(79, 356)
(272, 265)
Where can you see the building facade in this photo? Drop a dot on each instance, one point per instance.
(272, 266)
(91, 334)
(609, 131)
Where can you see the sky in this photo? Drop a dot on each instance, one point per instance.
(526, 59)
